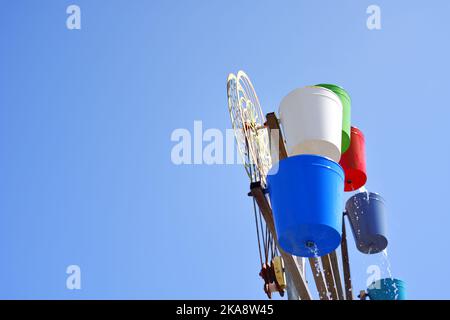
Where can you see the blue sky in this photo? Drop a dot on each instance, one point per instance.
(86, 118)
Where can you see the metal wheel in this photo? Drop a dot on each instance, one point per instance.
(254, 128)
(237, 121)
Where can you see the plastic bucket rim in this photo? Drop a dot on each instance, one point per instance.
(329, 91)
(358, 132)
(341, 171)
(333, 96)
(399, 282)
(338, 88)
(378, 196)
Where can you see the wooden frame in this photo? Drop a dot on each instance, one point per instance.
(327, 279)
(346, 264)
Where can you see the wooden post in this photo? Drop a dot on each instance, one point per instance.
(318, 278)
(346, 264)
(329, 278)
(273, 124)
(337, 274)
(291, 290)
(291, 266)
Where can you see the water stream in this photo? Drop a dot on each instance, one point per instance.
(312, 247)
(387, 264)
(363, 189)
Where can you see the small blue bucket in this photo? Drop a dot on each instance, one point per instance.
(306, 194)
(367, 214)
(387, 289)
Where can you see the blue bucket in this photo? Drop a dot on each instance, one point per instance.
(306, 194)
(387, 289)
(366, 211)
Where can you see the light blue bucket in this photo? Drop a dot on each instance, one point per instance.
(387, 289)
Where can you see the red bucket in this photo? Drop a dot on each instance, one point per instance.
(353, 161)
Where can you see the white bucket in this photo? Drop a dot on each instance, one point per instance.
(311, 118)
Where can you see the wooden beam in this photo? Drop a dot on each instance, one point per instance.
(291, 291)
(273, 124)
(346, 264)
(337, 274)
(329, 278)
(318, 278)
(289, 262)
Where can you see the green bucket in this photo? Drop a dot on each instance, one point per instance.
(346, 117)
